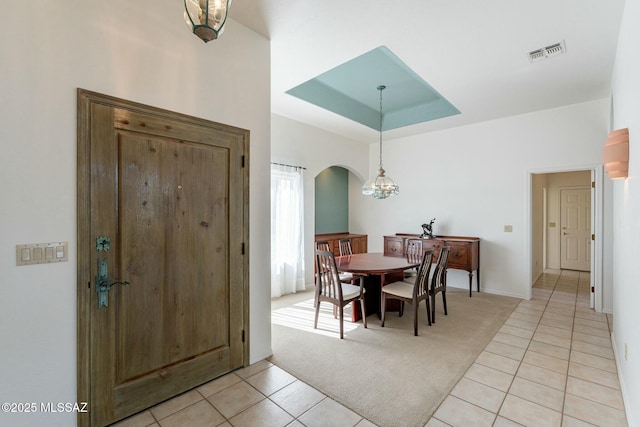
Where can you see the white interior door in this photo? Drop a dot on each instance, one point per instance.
(575, 238)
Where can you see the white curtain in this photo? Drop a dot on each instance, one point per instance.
(287, 219)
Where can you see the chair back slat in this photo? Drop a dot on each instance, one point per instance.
(414, 251)
(421, 286)
(328, 277)
(345, 247)
(322, 245)
(439, 279)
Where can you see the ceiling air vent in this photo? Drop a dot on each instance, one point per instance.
(545, 52)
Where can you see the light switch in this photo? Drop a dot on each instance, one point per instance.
(41, 253)
(38, 254)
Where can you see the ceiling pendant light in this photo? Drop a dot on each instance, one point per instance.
(206, 18)
(381, 186)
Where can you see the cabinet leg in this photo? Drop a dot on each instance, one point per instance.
(470, 283)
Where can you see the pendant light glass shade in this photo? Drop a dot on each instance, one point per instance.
(206, 18)
(381, 186)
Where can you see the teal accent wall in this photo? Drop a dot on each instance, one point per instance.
(332, 201)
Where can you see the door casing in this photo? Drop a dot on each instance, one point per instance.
(597, 225)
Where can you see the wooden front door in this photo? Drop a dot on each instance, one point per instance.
(575, 218)
(163, 223)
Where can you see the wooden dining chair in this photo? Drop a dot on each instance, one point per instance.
(331, 289)
(323, 245)
(439, 282)
(345, 247)
(414, 255)
(411, 292)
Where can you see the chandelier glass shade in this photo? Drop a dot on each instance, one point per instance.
(206, 18)
(381, 186)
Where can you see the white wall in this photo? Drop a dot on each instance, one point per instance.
(626, 214)
(475, 180)
(298, 144)
(136, 50)
(538, 238)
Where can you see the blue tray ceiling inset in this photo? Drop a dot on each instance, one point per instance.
(350, 90)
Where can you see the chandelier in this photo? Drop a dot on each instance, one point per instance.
(206, 18)
(381, 186)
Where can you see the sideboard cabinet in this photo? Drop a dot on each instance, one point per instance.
(358, 242)
(464, 252)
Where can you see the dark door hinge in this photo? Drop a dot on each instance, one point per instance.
(593, 184)
(242, 248)
(243, 335)
(242, 161)
(593, 289)
(89, 285)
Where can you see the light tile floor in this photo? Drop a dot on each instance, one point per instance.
(551, 364)
(259, 395)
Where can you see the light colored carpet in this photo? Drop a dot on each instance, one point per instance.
(387, 375)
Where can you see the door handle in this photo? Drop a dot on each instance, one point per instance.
(103, 244)
(103, 283)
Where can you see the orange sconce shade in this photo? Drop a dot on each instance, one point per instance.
(615, 154)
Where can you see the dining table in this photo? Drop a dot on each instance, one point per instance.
(376, 270)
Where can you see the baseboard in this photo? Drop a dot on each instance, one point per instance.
(490, 291)
(535, 279)
(257, 358)
(623, 387)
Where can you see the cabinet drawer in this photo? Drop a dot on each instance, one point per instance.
(459, 255)
(432, 245)
(393, 246)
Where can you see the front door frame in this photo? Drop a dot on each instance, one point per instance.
(84, 290)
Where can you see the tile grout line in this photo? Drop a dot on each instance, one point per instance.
(496, 414)
(566, 380)
(525, 352)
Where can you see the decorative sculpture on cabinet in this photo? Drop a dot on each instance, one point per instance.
(427, 229)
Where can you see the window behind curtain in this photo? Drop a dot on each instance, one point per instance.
(287, 219)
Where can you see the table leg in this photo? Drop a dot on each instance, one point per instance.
(392, 304)
(477, 281)
(371, 298)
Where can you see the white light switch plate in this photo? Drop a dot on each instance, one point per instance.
(42, 253)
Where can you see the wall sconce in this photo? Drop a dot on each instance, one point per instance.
(615, 154)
